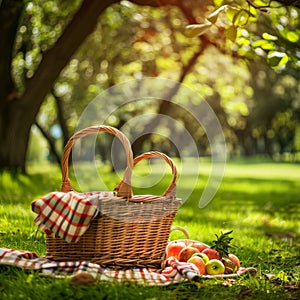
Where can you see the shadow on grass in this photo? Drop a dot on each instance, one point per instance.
(19, 188)
(254, 195)
(266, 211)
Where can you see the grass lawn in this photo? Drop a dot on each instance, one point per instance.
(259, 200)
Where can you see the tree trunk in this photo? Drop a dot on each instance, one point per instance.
(10, 14)
(18, 112)
(14, 137)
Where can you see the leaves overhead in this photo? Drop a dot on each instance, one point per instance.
(230, 20)
(226, 17)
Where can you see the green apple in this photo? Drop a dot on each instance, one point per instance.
(202, 255)
(214, 267)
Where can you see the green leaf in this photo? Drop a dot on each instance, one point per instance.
(213, 17)
(242, 41)
(231, 33)
(222, 243)
(240, 18)
(259, 43)
(268, 46)
(277, 59)
(281, 275)
(292, 37)
(252, 12)
(260, 3)
(264, 44)
(269, 37)
(231, 12)
(197, 29)
(218, 2)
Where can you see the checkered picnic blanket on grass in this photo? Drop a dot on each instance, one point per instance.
(174, 272)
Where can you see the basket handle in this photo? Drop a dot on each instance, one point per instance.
(171, 190)
(125, 190)
(184, 231)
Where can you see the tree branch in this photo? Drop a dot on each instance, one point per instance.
(165, 104)
(295, 3)
(50, 142)
(56, 58)
(155, 3)
(61, 119)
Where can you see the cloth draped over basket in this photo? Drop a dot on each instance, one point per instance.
(116, 229)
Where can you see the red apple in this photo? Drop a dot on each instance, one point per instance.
(235, 259)
(200, 246)
(174, 247)
(230, 266)
(214, 267)
(186, 253)
(199, 263)
(212, 253)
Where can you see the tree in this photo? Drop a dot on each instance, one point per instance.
(20, 101)
(41, 62)
(19, 106)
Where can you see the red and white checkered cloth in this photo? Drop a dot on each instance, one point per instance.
(67, 215)
(174, 271)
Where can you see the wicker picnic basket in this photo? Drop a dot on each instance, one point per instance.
(129, 230)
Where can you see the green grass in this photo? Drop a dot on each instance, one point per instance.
(259, 200)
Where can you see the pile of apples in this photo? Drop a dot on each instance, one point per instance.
(209, 260)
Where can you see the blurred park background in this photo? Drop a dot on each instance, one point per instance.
(242, 57)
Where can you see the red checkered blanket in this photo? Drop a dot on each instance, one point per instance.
(174, 272)
(67, 215)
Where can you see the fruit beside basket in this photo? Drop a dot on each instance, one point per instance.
(209, 260)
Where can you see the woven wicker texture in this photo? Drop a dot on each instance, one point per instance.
(129, 230)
